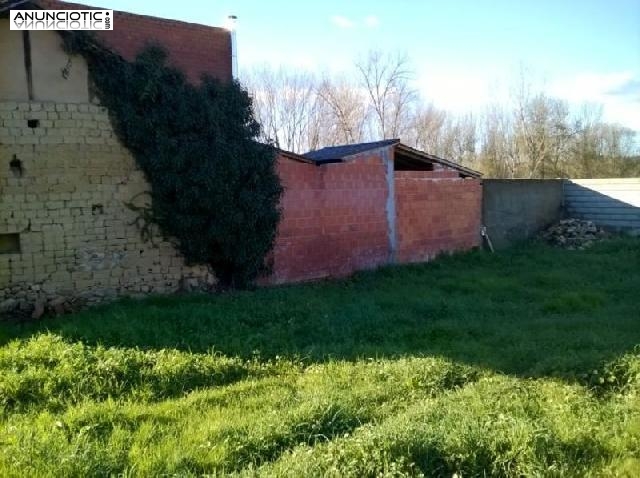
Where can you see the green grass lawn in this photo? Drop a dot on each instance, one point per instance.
(525, 362)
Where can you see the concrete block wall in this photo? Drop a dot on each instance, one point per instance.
(517, 209)
(64, 182)
(436, 212)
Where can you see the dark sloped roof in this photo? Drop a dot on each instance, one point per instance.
(333, 154)
(340, 152)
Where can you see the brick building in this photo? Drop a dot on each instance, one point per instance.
(361, 206)
(65, 182)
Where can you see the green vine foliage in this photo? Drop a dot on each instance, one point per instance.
(214, 187)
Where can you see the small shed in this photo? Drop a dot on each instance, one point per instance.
(360, 206)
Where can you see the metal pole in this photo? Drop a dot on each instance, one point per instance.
(231, 21)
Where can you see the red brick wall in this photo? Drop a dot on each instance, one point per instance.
(436, 212)
(334, 219)
(192, 48)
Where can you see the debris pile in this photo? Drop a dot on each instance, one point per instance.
(17, 307)
(573, 234)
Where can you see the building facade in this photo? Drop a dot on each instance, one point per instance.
(67, 186)
(70, 193)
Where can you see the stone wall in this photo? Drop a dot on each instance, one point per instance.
(64, 183)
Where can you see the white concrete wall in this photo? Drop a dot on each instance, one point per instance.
(48, 60)
(13, 77)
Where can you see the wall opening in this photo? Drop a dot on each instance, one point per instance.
(15, 166)
(406, 162)
(33, 123)
(10, 243)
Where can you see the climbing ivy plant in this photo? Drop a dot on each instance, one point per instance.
(214, 187)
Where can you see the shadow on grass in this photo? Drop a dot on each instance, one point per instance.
(530, 311)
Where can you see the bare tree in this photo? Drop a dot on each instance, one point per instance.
(542, 134)
(443, 134)
(347, 111)
(498, 155)
(285, 104)
(427, 128)
(534, 135)
(586, 147)
(460, 139)
(386, 79)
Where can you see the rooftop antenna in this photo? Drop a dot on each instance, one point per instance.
(232, 20)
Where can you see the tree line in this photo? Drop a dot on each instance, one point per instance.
(534, 135)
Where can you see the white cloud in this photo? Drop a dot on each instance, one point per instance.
(372, 21)
(592, 86)
(619, 93)
(342, 22)
(454, 91)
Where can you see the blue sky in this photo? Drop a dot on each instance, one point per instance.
(465, 52)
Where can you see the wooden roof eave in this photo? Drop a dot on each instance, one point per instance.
(294, 156)
(429, 158)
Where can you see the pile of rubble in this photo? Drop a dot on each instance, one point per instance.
(573, 234)
(21, 309)
(24, 302)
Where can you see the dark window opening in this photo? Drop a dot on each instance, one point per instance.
(97, 209)
(10, 243)
(404, 162)
(33, 123)
(16, 167)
